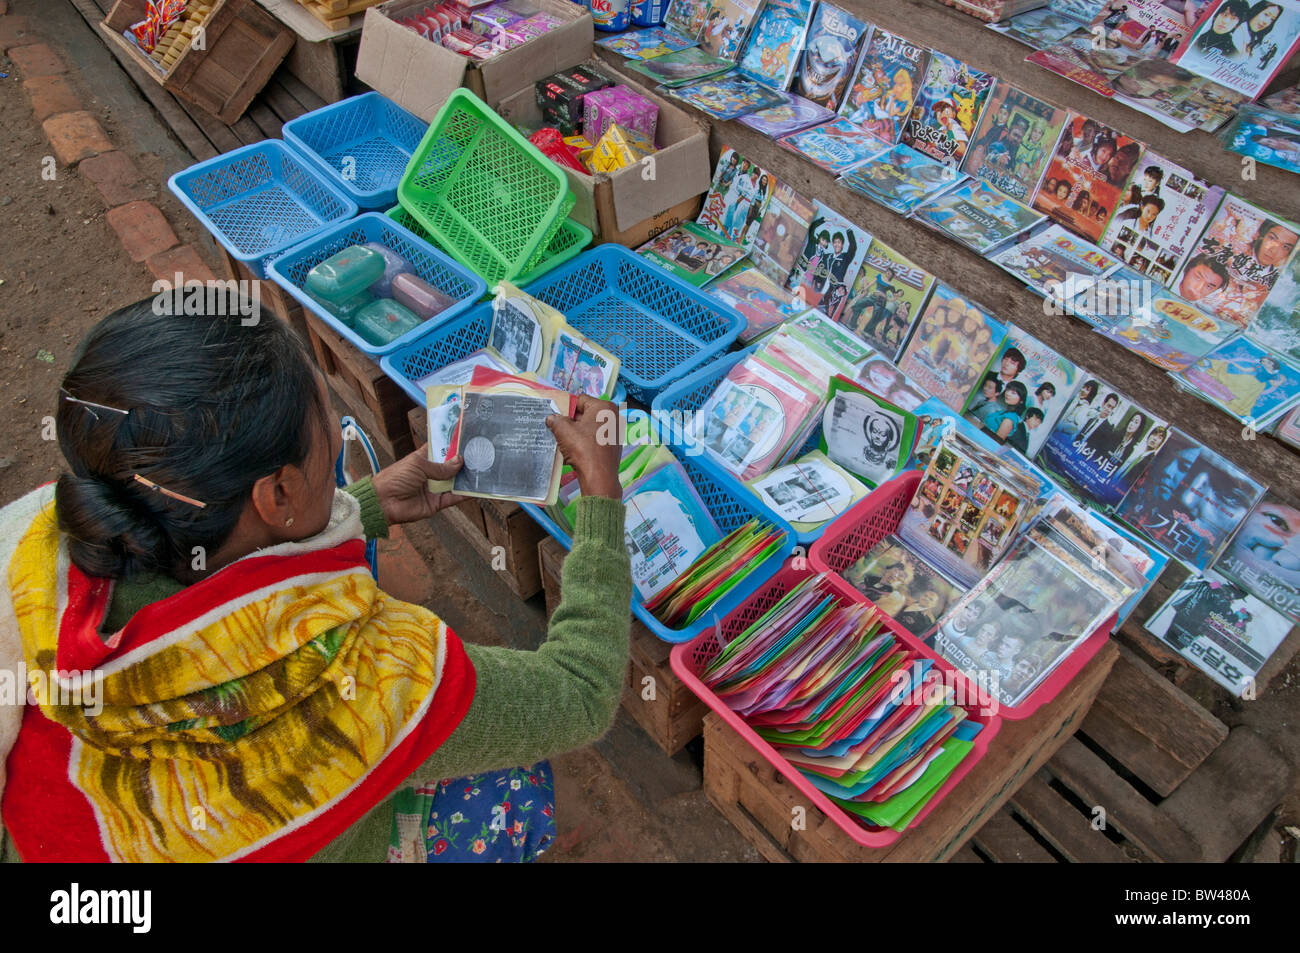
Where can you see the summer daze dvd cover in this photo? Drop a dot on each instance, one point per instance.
(1083, 182)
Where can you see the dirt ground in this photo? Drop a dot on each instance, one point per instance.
(61, 268)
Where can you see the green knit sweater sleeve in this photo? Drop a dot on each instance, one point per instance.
(531, 705)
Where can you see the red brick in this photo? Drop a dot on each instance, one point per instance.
(403, 573)
(183, 259)
(50, 95)
(76, 136)
(116, 177)
(142, 229)
(37, 59)
(14, 32)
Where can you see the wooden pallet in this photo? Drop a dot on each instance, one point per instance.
(669, 712)
(764, 806)
(337, 14)
(377, 403)
(1150, 776)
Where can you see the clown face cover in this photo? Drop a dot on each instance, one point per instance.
(832, 48)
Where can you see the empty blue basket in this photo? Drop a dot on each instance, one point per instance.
(448, 276)
(363, 143)
(260, 200)
(688, 395)
(730, 510)
(658, 325)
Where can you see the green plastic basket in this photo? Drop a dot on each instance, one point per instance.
(485, 193)
(570, 238)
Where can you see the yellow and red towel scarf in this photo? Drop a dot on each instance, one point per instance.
(252, 716)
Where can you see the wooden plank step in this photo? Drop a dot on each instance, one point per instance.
(1153, 728)
(1231, 793)
(1062, 825)
(1147, 826)
(1006, 842)
(966, 856)
(281, 102)
(299, 91)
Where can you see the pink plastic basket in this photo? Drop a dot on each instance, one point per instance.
(855, 531)
(689, 658)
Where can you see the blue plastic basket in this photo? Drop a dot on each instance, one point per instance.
(289, 270)
(571, 238)
(658, 325)
(730, 510)
(446, 342)
(368, 137)
(688, 395)
(260, 200)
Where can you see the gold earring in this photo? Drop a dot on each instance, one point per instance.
(289, 521)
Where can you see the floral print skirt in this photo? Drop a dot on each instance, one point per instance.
(498, 817)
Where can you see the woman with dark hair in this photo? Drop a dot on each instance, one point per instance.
(1261, 19)
(1219, 37)
(232, 683)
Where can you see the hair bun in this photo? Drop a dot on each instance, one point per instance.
(107, 535)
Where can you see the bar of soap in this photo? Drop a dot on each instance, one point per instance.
(346, 274)
(345, 310)
(384, 320)
(394, 265)
(422, 298)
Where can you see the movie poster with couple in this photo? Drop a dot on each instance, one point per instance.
(1083, 182)
(1242, 45)
(1102, 442)
(886, 299)
(832, 254)
(738, 198)
(1161, 212)
(1024, 390)
(1239, 259)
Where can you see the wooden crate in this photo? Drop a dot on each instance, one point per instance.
(669, 712)
(242, 46)
(371, 396)
(765, 807)
(1167, 779)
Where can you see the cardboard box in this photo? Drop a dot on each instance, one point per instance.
(419, 75)
(626, 205)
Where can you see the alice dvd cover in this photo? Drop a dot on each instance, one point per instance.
(836, 146)
(947, 109)
(830, 52)
(737, 199)
(886, 299)
(1237, 261)
(953, 344)
(976, 215)
(884, 85)
(1014, 141)
(1102, 443)
(1189, 501)
(1161, 212)
(727, 97)
(1085, 179)
(771, 54)
(791, 115)
(1245, 380)
(900, 178)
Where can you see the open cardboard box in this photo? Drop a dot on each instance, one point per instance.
(632, 205)
(419, 75)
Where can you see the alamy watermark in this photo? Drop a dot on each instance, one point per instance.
(82, 689)
(234, 298)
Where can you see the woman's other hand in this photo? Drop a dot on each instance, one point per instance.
(590, 444)
(403, 488)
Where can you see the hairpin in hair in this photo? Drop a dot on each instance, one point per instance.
(90, 405)
(166, 492)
